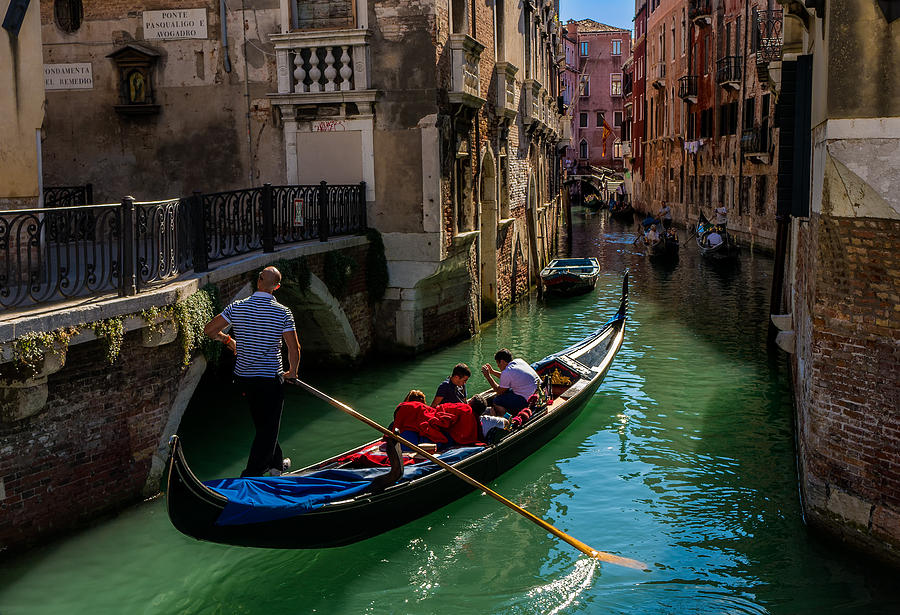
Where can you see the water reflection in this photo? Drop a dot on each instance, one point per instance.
(683, 459)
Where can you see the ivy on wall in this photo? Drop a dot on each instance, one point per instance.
(337, 272)
(190, 316)
(376, 266)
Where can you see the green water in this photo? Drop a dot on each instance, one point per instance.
(684, 459)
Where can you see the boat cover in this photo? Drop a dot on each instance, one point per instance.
(267, 498)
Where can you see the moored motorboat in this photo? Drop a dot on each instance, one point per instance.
(570, 276)
(362, 503)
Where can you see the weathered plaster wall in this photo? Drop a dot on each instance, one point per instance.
(199, 139)
(21, 110)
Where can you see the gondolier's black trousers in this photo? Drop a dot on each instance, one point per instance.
(266, 399)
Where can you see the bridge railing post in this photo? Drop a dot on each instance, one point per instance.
(198, 233)
(363, 223)
(323, 211)
(268, 219)
(128, 285)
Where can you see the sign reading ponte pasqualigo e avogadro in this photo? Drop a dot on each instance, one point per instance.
(175, 24)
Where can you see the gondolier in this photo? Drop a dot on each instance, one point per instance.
(260, 324)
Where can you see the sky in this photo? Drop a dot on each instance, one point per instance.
(619, 13)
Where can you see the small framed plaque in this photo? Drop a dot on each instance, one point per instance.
(298, 212)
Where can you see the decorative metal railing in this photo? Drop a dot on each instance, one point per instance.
(728, 70)
(66, 252)
(699, 9)
(68, 196)
(755, 140)
(59, 253)
(769, 29)
(687, 87)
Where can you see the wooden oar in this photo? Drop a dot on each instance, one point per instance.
(600, 555)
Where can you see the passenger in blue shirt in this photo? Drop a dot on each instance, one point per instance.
(453, 389)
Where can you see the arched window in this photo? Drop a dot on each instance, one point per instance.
(68, 14)
(583, 149)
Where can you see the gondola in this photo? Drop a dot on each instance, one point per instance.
(570, 276)
(590, 196)
(199, 509)
(721, 251)
(622, 211)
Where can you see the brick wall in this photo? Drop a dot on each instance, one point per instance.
(89, 451)
(322, 14)
(847, 390)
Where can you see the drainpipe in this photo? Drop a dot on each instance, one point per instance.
(224, 22)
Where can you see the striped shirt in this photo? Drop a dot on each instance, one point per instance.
(258, 323)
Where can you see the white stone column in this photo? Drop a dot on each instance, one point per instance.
(289, 117)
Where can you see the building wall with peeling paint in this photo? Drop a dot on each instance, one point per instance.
(214, 129)
(21, 110)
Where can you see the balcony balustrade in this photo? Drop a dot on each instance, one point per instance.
(465, 75)
(659, 75)
(324, 66)
(700, 11)
(505, 76)
(532, 92)
(687, 88)
(755, 143)
(728, 72)
(769, 29)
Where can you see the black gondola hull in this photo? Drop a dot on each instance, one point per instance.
(193, 508)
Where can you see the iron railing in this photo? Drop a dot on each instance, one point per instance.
(67, 252)
(755, 140)
(728, 70)
(769, 30)
(687, 87)
(699, 8)
(68, 196)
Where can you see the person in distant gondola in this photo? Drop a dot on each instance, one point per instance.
(665, 214)
(453, 389)
(261, 325)
(721, 216)
(518, 382)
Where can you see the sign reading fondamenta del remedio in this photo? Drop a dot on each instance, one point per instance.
(174, 24)
(68, 76)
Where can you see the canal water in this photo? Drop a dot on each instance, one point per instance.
(683, 459)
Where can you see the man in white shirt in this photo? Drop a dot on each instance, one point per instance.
(518, 382)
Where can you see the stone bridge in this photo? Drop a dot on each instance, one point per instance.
(91, 390)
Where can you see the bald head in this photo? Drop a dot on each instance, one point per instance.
(269, 280)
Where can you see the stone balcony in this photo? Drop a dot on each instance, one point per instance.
(323, 67)
(465, 75)
(505, 76)
(532, 92)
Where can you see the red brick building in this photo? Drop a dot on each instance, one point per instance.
(635, 106)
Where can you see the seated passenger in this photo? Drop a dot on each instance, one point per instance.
(486, 419)
(652, 237)
(453, 389)
(413, 421)
(518, 382)
(713, 239)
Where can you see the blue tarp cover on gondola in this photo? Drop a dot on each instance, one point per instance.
(257, 499)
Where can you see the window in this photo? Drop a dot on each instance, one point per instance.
(761, 187)
(458, 15)
(617, 149)
(584, 49)
(583, 149)
(68, 14)
(615, 84)
(585, 86)
(600, 119)
(617, 47)
(582, 120)
(617, 118)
